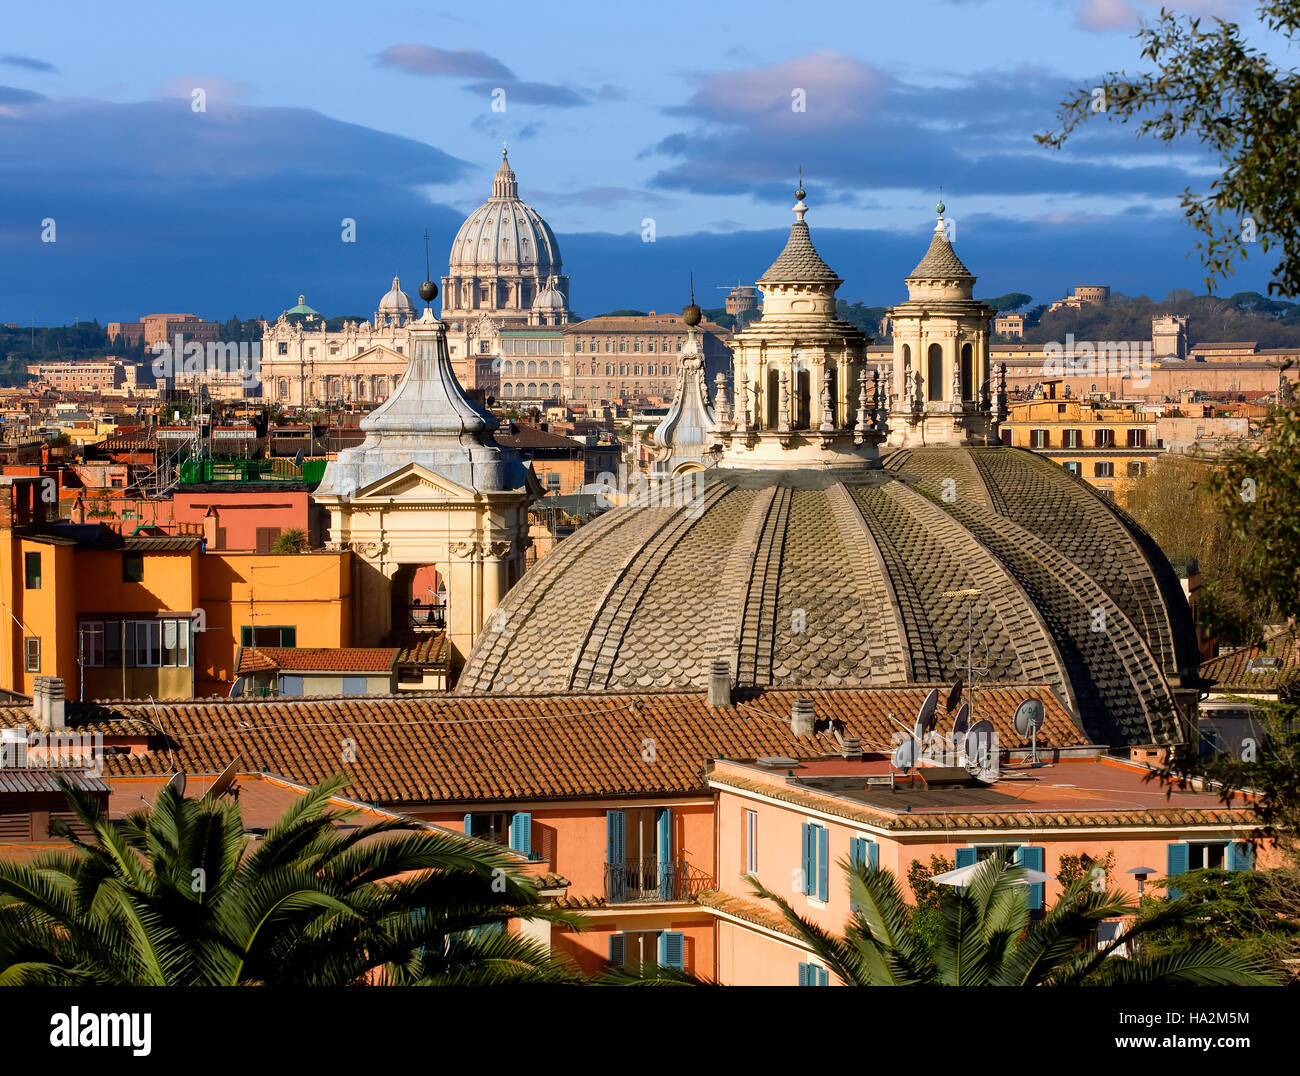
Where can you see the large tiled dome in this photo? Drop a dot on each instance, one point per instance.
(505, 236)
(847, 579)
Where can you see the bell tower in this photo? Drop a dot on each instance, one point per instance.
(945, 391)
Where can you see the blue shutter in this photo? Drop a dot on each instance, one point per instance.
(672, 949)
(615, 855)
(804, 976)
(873, 855)
(290, 685)
(864, 852)
(966, 856)
(354, 685)
(521, 832)
(617, 950)
(1241, 856)
(823, 863)
(469, 825)
(667, 866)
(1177, 861)
(821, 977)
(809, 857)
(1031, 857)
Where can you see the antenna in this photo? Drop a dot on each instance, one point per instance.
(1028, 717)
(426, 251)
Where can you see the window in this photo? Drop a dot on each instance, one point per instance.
(1103, 438)
(290, 685)
(1039, 439)
(1137, 468)
(268, 636)
(1182, 856)
(132, 568)
(282, 349)
(1031, 857)
(816, 861)
(1103, 469)
(749, 852)
(514, 829)
(1137, 438)
(552, 480)
(354, 685)
(32, 654)
(266, 537)
(91, 643)
(1072, 466)
(635, 949)
(1073, 439)
(934, 373)
(32, 568)
(813, 975)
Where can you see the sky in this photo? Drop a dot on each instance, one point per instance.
(683, 115)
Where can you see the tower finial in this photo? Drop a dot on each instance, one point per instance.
(940, 207)
(692, 314)
(503, 151)
(428, 290)
(800, 194)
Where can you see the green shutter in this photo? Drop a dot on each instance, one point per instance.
(617, 950)
(521, 832)
(1177, 861)
(672, 950)
(615, 855)
(1241, 856)
(823, 863)
(667, 866)
(1031, 857)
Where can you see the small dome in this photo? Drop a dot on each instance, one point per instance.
(549, 298)
(396, 301)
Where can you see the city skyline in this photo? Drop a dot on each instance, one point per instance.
(237, 209)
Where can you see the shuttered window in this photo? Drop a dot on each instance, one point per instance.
(816, 861)
(672, 950)
(1032, 858)
(812, 975)
(750, 846)
(521, 832)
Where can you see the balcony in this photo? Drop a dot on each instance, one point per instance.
(426, 616)
(641, 881)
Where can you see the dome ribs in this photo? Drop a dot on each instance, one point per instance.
(594, 663)
(1123, 698)
(890, 660)
(758, 614)
(725, 630)
(1028, 634)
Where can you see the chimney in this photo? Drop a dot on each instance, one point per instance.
(40, 702)
(720, 684)
(48, 703)
(851, 748)
(802, 717)
(211, 523)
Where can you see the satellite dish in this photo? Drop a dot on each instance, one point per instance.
(177, 782)
(237, 688)
(223, 782)
(1028, 717)
(954, 695)
(961, 722)
(298, 458)
(905, 755)
(978, 744)
(925, 718)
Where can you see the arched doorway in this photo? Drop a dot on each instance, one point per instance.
(419, 598)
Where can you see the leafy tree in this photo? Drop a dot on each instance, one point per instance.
(987, 938)
(1245, 111)
(1013, 300)
(293, 540)
(1081, 867)
(927, 919)
(177, 894)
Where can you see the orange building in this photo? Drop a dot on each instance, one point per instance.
(137, 616)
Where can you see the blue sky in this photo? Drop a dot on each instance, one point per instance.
(679, 112)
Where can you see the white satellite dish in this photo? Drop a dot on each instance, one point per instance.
(1028, 717)
(981, 757)
(905, 755)
(178, 783)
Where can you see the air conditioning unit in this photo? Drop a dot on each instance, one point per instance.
(13, 749)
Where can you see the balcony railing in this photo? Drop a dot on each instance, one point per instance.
(643, 880)
(427, 616)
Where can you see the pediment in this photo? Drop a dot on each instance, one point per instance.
(414, 483)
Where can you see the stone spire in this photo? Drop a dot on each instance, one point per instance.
(686, 432)
(503, 183)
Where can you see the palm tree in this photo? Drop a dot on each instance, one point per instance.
(179, 895)
(986, 938)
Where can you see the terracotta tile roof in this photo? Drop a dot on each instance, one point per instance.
(307, 659)
(421, 648)
(750, 910)
(418, 749)
(1253, 668)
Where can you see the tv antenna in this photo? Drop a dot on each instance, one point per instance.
(1028, 717)
(973, 671)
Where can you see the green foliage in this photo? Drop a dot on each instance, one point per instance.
(178, 894)
(1013, 300)
(866, 318)
(623, 314)
(1243, 109)
(927, 920)
(1079, 868)
(1176, 503)
(987, 938)
(294, 540)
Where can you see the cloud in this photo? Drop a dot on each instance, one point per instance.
(531, 93)
(427, 60)
(216, 89)
(610, 92)
(29, 63)
(1102, 16)
(866, 131)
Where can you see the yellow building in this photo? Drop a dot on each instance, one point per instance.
(134, 617)
(1110, 448)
